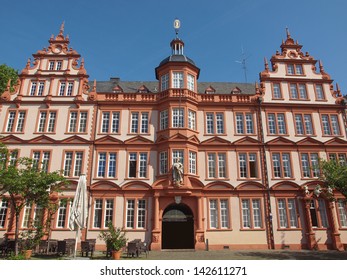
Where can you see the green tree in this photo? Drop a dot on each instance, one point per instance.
(7, 73)
(334, 175)
(25, 184)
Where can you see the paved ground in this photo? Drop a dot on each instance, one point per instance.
(240, 255)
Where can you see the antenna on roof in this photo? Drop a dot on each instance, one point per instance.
(243, 62)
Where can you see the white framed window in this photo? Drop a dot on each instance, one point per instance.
(163, 162)
(43, 124)
(192, 162)
(41, 160)
(287, 215)
(62, 214)
(309, 165)
(66, 88)
(277, 94)
(177, 117)
(244, 123)
(276, 123)
(103, 212)
(303, 124)
(215, 123)
(178, 155)
(136, 213)
(164, 119)
(191, 119)
(219, 214)
(281, 165)
(3, 212)
(107, 164)
(78, 121)
(139, 122)
(110, 122)
(318, 211)
(191, 82)
(164, 82)
(342, 212)
(319, 92)
(251, 213)
(330, 124)
(216, 163)
(15, 121)
(73, 163)
(177, 79)
(137, 165)
(248, 167)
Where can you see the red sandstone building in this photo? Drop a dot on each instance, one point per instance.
(247, 151)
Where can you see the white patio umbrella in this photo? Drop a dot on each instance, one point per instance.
(79, 210)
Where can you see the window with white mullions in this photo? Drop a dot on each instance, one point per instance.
(177, 117)
(3, 212)
(62, 213)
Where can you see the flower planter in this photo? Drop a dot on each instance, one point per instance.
(27, 254)
(116, 255)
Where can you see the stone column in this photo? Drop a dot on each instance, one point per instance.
(156, 243)
(311, 237)
(199, 235)
(335, 235)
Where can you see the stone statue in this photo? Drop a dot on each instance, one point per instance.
(177, 172)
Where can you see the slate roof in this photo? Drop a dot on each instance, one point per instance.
(153, 86)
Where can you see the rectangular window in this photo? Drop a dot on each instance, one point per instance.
(214, 123)
(290, 69)
(244, 120)
(110, 122)
(177, 79)
(62, 88)
(216, 165)
(295, 69)
(276, 123)
(41, 160)
(191, 82)
(192, 162)
(51, 65)
(319, 218)
(248, 165)
(298, 91)
(15, 121)
(251, 213)
(144, 122)
(41, 88)
(137, 165)
(177, 155)
(309, 165)
(281, 165)
(191, 120)
(177, 117)
(277, 94)
(97, 213)
(73, 164)
(164, 82)
(58, 65)
(287, 213)
(33, 88)
(303, 124)
(3, 212)
(319, 92)
(62, 213)
(78, 121)
(43, 125)
(342, 212)
(69, 89)
(164, 119)
(163, 161)
(330, 124)
(136, 214)
(219, 213)
(134, 122)
(108, 211)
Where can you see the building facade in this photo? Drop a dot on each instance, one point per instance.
(184, 164)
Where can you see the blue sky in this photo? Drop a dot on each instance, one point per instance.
(128, 38)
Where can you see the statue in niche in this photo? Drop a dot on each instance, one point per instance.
(177, 173)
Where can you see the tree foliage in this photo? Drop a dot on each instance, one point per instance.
(7, 73)
(334, 175)
(26, 184)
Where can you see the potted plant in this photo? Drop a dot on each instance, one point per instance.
(30, 239)
(114, 239)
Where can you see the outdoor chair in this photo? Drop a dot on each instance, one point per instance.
(86, 247)
(143, 248)
(43, 247)
(132, 249)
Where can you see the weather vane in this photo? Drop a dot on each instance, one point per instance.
(177, 25)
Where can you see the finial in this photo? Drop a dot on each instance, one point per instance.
(287, 32)
(28, 63)
(177, 25)
(266, 64)
(82, 62)
(94, 86)
(62, 28)
(321, 68)
(337, 88)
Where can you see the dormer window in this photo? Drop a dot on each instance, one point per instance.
(55, 65)
(143, 89)
(210, 90)
(117, 89)
(235, 90)
(177, 79)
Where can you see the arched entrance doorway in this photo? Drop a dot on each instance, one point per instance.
(178, 227)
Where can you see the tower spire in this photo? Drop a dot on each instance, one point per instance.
(177, 25)
(287, 32)
(62, 28)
